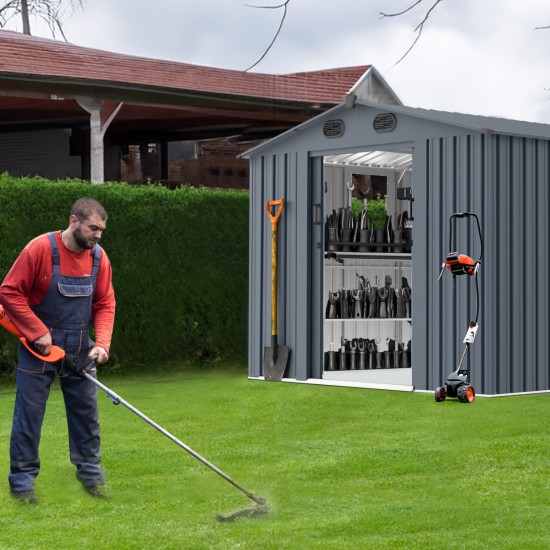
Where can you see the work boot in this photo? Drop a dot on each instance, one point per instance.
(333, 303)
(399, 303)
(331, 360)
(363, 353)
(371, 346)
(383, 294)
(357, 298)
(97, 491)
(407, 298)
(343, 355)
(406, 357)
(372, 296)
(25, 496)
(344, 304)
(353, 354)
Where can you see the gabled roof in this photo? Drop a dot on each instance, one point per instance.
(42, 82)
(29, 57)
(479, 123)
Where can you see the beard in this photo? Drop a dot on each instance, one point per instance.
(82, 242)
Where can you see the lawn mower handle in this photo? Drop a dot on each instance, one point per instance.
(466, 215)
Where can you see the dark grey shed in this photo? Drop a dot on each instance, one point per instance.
(497, 168)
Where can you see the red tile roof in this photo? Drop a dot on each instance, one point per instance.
(36, 58)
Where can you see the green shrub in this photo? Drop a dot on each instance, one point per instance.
(179, 257)
(376, 209)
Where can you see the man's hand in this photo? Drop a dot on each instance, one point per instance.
(81, 363)
(102, 355)
(43, 344)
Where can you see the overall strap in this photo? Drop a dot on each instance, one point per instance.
(55, 253)
(96, 252)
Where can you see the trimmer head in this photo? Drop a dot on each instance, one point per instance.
(261, 508)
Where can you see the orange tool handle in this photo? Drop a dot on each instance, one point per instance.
(274, 246)
(56, 353)
(275, 217)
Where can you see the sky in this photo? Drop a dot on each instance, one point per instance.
(481, 57)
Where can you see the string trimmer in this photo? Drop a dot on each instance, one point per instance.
(83, 364)
(260, 507)
(458, 382)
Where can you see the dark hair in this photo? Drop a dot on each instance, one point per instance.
(83, 208)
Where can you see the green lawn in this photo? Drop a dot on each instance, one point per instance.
(342, 468)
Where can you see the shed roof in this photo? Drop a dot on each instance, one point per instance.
(479, 123)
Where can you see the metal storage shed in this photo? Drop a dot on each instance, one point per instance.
(497, 168)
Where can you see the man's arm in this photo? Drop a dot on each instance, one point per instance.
(18, 290)
(103, 310)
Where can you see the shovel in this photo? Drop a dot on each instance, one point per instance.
(275, 357)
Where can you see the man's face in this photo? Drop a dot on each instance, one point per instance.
(88, 232)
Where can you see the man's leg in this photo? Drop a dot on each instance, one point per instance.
(33, 387)
(83, 422)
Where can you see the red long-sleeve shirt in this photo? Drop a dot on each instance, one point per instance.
(29, 279)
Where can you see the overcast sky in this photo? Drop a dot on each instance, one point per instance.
(474, 56)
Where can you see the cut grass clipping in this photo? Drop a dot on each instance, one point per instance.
(340, 468)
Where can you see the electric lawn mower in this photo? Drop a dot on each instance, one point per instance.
(457, 383)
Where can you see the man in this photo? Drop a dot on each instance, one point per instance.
(58, 287)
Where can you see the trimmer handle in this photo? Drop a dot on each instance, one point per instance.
(274, 217)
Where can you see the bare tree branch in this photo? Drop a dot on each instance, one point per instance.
(51, 11)
(397, 14)
(284, 5)
(418, 29)
(541, 28)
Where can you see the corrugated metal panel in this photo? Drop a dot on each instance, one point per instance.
(505, 181)
(392, 160)
(274, 177)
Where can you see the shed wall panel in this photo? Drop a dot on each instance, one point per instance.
(280, 176)
(505, 180)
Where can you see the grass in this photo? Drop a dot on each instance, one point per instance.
(342, 468)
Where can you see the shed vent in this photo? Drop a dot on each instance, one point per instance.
(333, 128)
(385, 122)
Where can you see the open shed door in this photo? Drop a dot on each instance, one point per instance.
(367, 268)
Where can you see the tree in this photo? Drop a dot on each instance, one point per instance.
(50, 11)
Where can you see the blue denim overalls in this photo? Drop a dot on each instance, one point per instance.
(66, 311)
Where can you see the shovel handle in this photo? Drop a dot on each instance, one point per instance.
(274, 217)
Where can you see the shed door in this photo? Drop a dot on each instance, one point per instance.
(367, 270)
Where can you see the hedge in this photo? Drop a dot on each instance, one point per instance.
(179, 257)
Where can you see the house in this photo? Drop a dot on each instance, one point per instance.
(69, 111)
